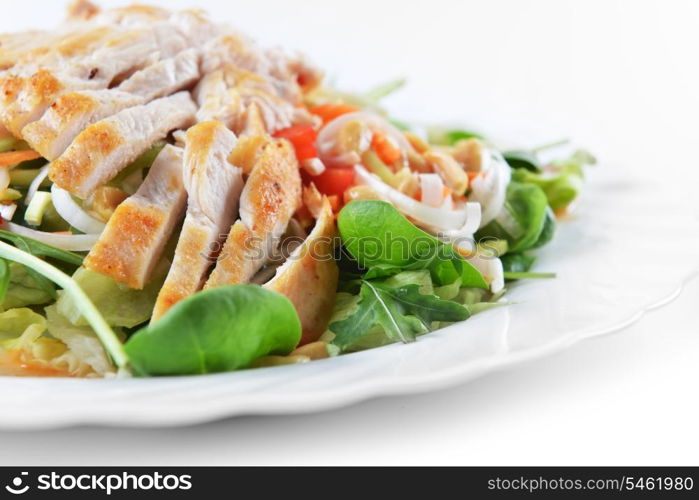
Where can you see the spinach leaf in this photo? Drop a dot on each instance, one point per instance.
(547, 231)
(517, 262)
(216, 330)
(384, 242)
(402, 312)
(521, 159)
(564, 184)
(523, 219)
(40, 249)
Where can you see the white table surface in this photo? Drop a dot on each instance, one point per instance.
(620, 77)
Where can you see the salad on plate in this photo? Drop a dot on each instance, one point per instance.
(177, 200)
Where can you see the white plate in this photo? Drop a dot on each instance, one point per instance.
(622, 254)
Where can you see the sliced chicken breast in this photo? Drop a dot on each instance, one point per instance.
(225, 95)
(73, 112)
(213, 186)
(132, 243)
(103, 149)
(164, 77)
(27, 93)
(309, 276)
(271, 195)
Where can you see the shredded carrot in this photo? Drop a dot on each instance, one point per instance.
(328, 112)
(446, 192)
(472, 175)
(12, 157)
(65, 233)
(388, 153)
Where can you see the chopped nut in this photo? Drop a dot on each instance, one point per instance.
(469, 152)
(314, 350)
(417, 142)
(451, 172)
(361, 193)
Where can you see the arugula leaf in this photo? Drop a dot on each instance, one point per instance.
(217, 330)
(39, 249)
(402, 312)
(384, 242)
(427, 308)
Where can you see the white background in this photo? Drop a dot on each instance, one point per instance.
(622, 79)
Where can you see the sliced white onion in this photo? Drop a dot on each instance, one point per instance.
(4, 178)
(73, 214)
(34, 186)
(314, 166)
(473, 222)
(7, 211)
(327, 138)
(71, 242)
(490, 267)
(434, 219)
(432, 189)
(490, 188)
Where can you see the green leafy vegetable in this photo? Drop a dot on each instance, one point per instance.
(118, 304)
(402, 313)
(216, 330)
(40, 249)
(383, 241)
(102, 330)
(22, 289)
(522, 222)
(15, 322)
(522, 276)
(522, 159)
(4, 279)
(448, 137)
(517, 262)
(563, 183)
(141, 163)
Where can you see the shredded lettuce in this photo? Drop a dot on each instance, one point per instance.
(22, 290)
(120, 305)
(24, 350)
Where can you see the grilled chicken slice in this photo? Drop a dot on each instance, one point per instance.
(226, 93)
(213, 185)
(271, 195)
(133, 241)
(164, 77)
(103, 149)
(72, 112)
(309, 276)
(290, 77)
(109, 56)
